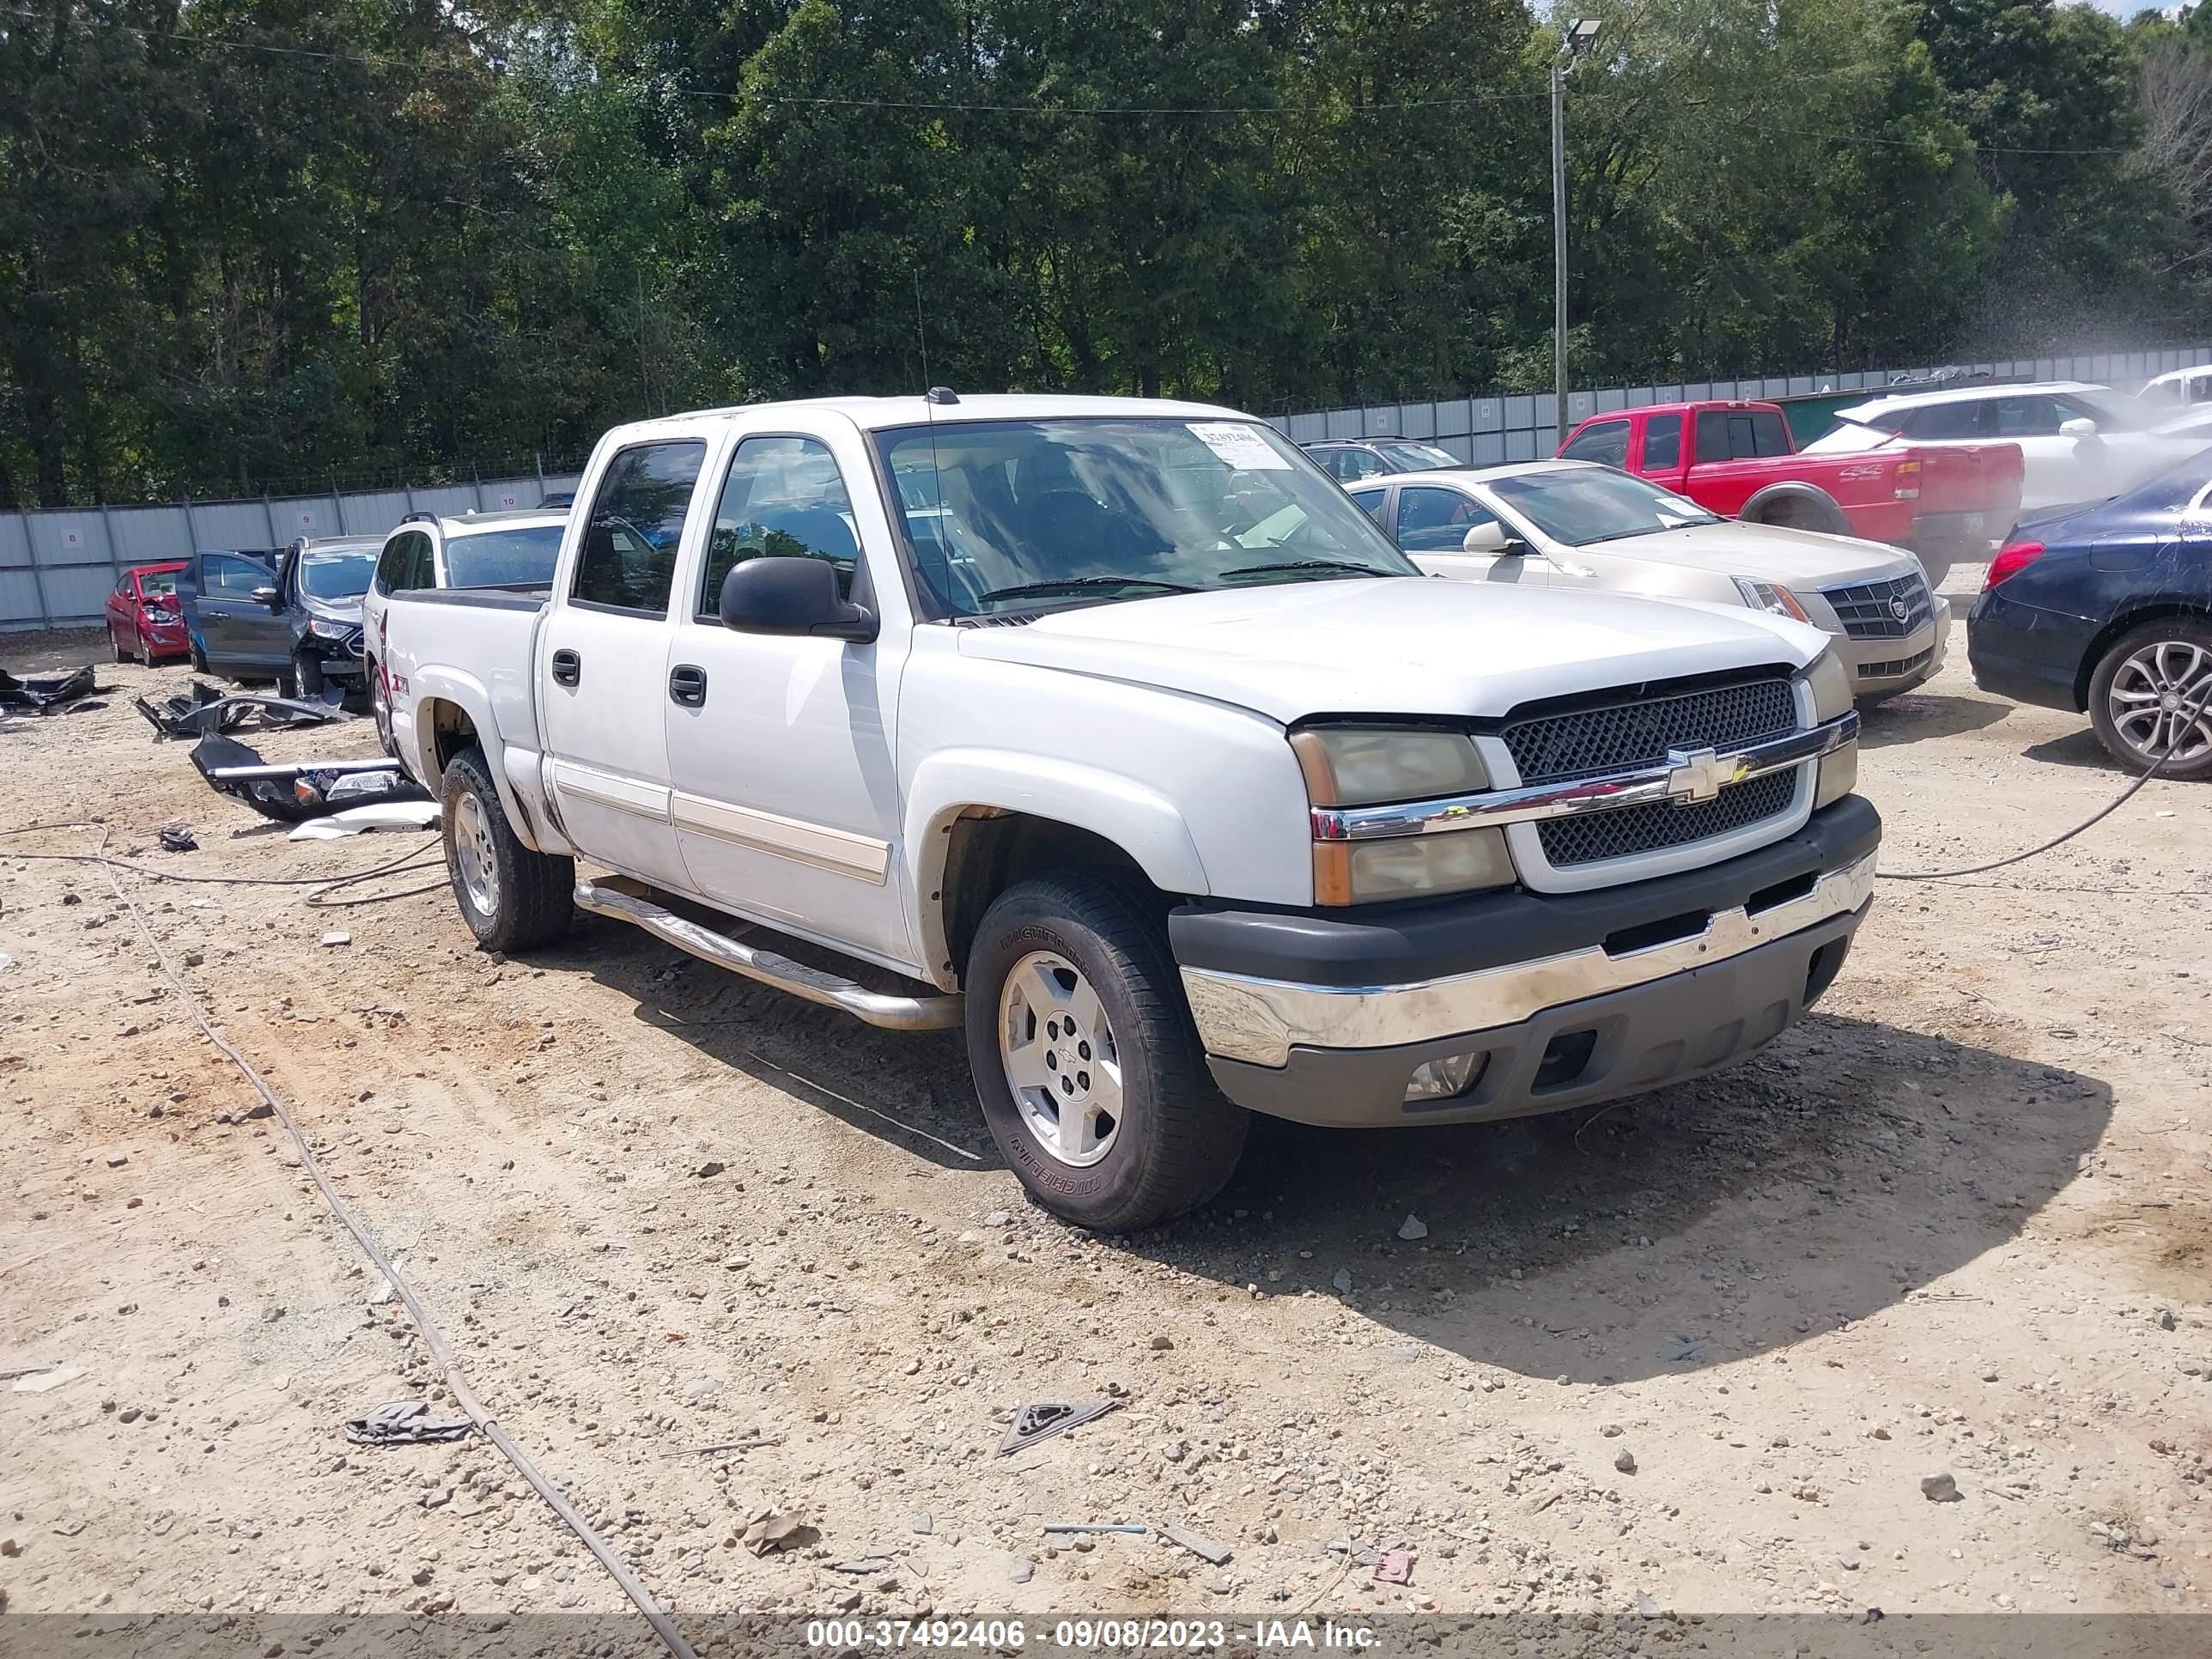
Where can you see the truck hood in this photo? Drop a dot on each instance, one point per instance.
(1393, 645)
(1795, 558)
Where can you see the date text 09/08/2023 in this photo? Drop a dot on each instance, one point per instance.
(1085, 1635)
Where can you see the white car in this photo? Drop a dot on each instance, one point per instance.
(1110, 731)
(1575, 525)
(2081, 443)
(2178, 389)
(512, 548)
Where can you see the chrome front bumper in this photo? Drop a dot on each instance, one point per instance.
(1261, 1021)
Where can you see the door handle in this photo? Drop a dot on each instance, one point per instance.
(686, 684)
(568, 668)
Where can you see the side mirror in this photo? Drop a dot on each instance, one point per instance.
(1494, 538)
(266, 596)
(792, 596)
(2080, 427)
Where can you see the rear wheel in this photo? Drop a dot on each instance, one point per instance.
(1800, 511)
(2152, 694)
(115, 643)
(1089, 1070)
(512, 898)
(380, 703)
(199, 659)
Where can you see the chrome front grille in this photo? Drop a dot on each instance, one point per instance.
(1881, 611)
(1600, 836)
(1549, 746)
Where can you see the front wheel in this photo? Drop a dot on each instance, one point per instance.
(306, 678)
(2152, 695)
(512, 898)
(199, 659)
(1089, 1070)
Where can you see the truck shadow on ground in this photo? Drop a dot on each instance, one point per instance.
(1845, 1168)
(1918, 715)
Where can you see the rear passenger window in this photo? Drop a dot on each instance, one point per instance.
(784, 499)
(627, 560)
(1606, 443)
(391, 566)
(1662, 441)
(1939, 422)
(1730, 434)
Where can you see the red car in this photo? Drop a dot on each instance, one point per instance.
(1736, 459)
(145, 619)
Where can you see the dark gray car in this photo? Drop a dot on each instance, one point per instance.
(318, 597)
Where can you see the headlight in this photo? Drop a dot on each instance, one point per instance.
(1771, 596)
(1362, 765)
(1410, 866)
(1366, 766)
(324, 629)
(1831, 685)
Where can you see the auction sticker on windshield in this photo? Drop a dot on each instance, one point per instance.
(1240, 445)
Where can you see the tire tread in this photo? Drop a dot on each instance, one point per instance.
(537, 891)
(1198, 1135)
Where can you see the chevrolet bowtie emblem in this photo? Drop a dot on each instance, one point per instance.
(1698, 774)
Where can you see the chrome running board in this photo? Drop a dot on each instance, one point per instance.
(628, 901)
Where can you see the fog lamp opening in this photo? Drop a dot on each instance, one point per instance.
(1447, 1077)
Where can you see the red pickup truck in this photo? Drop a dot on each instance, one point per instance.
(1946, 503)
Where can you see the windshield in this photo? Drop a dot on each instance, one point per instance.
(1586, 504)
(493, 559)
(337, 575)
(1415, 458)
(1011, 515)
(158, 584)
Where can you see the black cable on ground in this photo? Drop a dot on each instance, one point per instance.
(433, 1337)
(2196, 710)
(322, 885)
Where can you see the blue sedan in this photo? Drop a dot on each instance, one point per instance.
(2107, 609)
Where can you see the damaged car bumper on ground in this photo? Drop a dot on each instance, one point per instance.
(1438, 1013)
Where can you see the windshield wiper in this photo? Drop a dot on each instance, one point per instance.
(1310, 564)
(1083, 584)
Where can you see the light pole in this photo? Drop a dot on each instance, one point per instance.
(1580, 35)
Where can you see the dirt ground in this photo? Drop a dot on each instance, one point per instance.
(1693, 1353)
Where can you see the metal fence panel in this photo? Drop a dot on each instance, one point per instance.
(372, 515)
(147, 535)
(76, 592)
(235, 524)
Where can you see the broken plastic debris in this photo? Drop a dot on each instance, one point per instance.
(39, 1381)
(1196, 1542)
(405, 1422)
(377, 815)
(1396, 1567)
(770, 1530)
(1042, 1418)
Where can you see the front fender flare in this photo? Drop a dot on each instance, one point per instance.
(1119, 808)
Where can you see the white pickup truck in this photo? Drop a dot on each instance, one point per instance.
(1113, 731)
